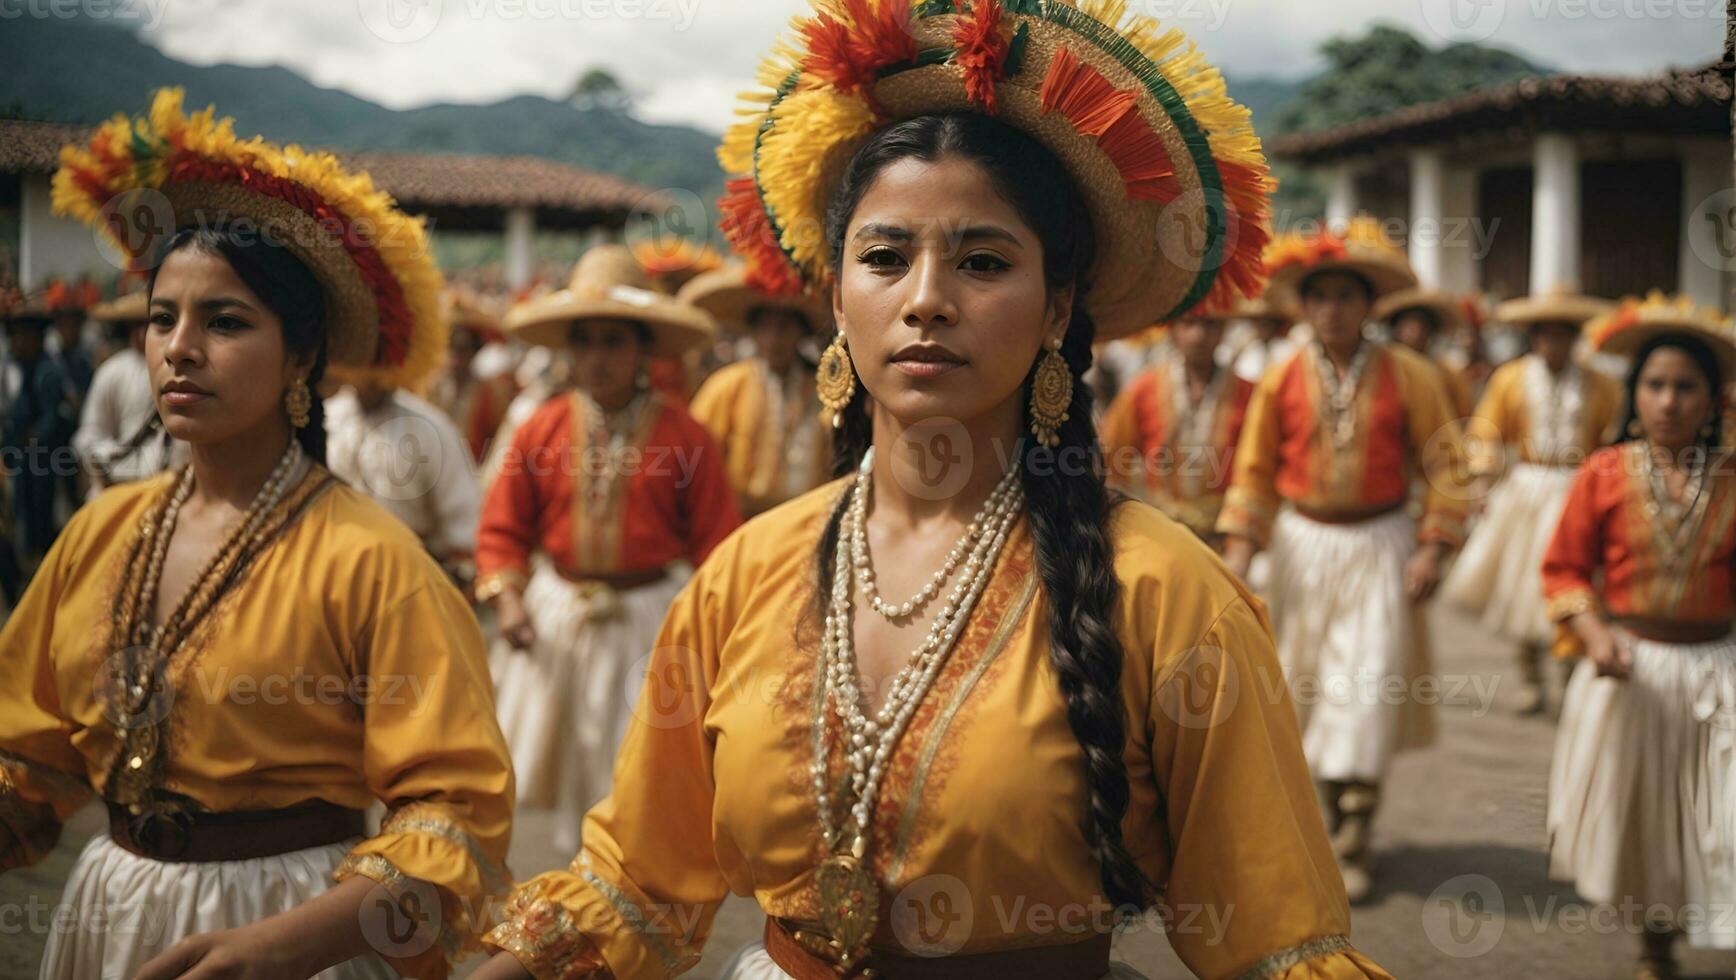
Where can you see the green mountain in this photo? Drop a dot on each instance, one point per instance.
(84, 71)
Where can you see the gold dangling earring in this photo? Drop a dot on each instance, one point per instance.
(835, 381)
(1051, 394)
(298, 401)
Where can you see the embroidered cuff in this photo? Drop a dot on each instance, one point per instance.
(494, 583)
(540, 934)
(1563, 606)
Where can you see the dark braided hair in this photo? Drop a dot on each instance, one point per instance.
(1065, 496)
(286, 287)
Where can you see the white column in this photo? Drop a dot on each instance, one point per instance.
(1341, 196)
(1428, 216)
(520, 230)
(1708, 223)
(1555, 214)
(1467, 241)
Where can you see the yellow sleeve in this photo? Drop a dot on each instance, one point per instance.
(434, 755)
(1249, 849)
(1439, 443)
(1251, 504)
(1604, 403)
(1119, 434)
(41, 774)
(640, 897)
(711, 406)
(1493, 426)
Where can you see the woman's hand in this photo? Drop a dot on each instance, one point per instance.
(230, 954)
(1609, 649)
(1423, 572)
(316, 935)
(1239, 555)
(514, 621)
(502, 966)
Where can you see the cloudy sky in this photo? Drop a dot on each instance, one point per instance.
(685, 59)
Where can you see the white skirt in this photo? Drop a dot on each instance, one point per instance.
(120, 910)
(1347, 639)
(1499, 575)
(752, 962)
(1642, 789)
(564, 705)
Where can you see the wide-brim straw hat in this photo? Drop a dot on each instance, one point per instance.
(1273, 305)
(1448, 310)
(381, 286)
(1168, 165)
(1362, 249)
(132, 308)
(1559, 304)
(609, 284)
(726, 295)
(1632, 324)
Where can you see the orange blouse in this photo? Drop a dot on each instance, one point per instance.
(552, 493)
(1149, 455)
(1605, 527)
(1404, 427)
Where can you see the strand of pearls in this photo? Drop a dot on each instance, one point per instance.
(870, 741)
(972, 538)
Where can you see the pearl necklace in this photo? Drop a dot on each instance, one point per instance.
(849, 893)
(1340, 407)
(972, 536)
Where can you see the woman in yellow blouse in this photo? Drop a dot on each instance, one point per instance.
(1540, 418)
(764, 410)
(1073, 711)
(240, 656)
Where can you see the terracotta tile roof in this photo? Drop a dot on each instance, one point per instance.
(418, 180)
(1677, 102)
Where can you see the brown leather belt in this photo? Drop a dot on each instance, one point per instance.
(236, 836)
(1355, 516)
(623, 582)
(1674, 631)
(1088, 960)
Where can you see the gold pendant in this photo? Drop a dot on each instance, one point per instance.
(849, 907)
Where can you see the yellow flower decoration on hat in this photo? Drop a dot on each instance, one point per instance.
(382, 288)
(1169, 166)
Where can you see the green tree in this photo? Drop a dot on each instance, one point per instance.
(1388, 69)
(600, 89)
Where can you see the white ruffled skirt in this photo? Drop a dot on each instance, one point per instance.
(1347, 639)
(1642, 789)
(1499, 575)
(119, 910)
(564, 705)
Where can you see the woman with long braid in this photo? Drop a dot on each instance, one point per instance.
(995, 687)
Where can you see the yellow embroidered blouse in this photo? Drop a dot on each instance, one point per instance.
(984, 795)
(343, 667)
(768, 460)
(1528, 416)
